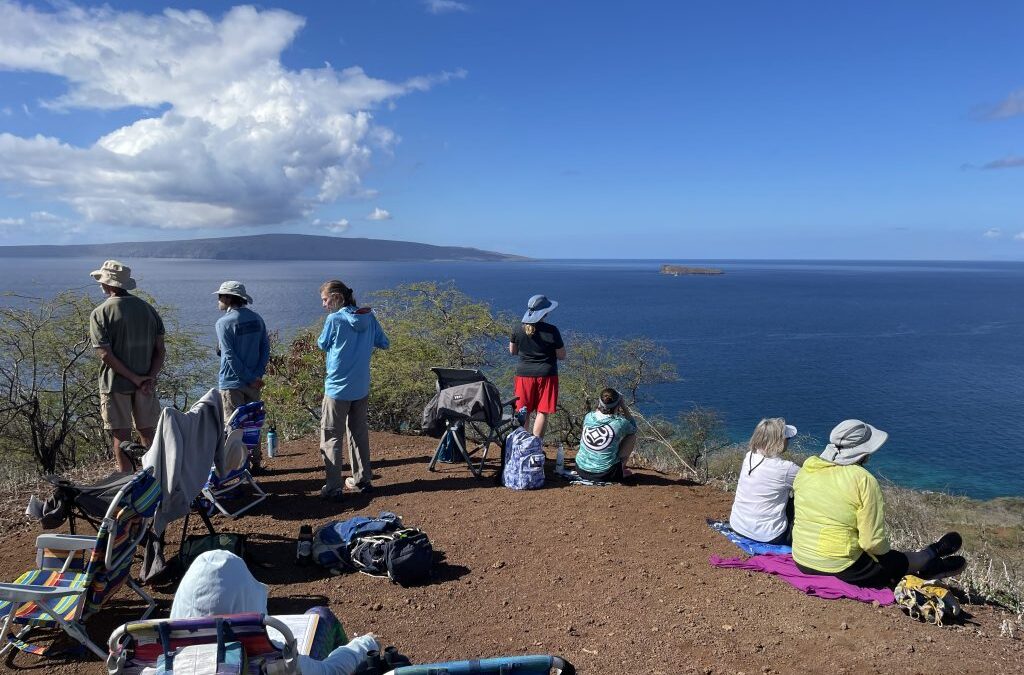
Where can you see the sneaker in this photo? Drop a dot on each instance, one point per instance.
(948, 544)
(943, 567)
(336, 495)
(351, 484)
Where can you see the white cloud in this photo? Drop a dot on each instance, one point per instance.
(6, 111)
(337, 227)
(993, 233)
(1008, 162)
(240, 140)
(1019, 236)
(445, 6)
(8, 222)
(379, 214)
(1011, 106)
(45, 217)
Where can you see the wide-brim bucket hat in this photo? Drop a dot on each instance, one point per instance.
(851, 441)
(235, 288)
(538, 307)
(114, 273)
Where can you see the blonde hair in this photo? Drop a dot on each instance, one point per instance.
(769, 437)
(529, 329)
(340, 295)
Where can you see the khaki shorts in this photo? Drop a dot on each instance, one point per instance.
(118, 410)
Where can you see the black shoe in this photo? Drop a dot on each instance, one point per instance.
(948, 544)
(943, 567)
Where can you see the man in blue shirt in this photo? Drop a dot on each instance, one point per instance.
(244, 350)
(350, 335)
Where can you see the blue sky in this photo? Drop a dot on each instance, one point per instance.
(551, 129)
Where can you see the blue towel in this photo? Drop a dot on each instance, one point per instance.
(748, 546)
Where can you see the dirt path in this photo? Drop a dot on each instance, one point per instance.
(615, 579)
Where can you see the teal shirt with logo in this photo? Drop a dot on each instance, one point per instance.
(600, 440)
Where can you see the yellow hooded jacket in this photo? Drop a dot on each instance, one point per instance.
(839, 513)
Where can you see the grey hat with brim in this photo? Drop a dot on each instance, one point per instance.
(114, 273)
(537, 308)
(851, 441)
(235, 288)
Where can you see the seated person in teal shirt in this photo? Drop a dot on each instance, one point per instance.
(607, 439)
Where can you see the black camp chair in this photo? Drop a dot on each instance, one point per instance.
(488, 424)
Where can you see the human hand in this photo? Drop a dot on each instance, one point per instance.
(147, 385)
(257, 383)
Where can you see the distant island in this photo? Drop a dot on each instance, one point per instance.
(262, 247)
(678, 270)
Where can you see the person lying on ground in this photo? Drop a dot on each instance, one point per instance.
(607, 439)
(763, 507)
(218, 582)
(839, 524)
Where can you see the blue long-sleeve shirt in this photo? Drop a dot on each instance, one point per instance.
(348, 338)
(244, 348)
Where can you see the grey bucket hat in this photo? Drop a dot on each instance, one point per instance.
(114, 273)
(235, 288)
(537, 308)
(851, 441)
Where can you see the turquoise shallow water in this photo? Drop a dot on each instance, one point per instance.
(931, 352)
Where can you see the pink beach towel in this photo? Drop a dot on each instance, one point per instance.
(823, 586)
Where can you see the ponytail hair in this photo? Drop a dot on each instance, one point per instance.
(529, 329)
(340, 295)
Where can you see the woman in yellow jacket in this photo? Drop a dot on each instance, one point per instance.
(839, 521)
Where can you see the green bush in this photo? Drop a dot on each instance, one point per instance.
(431, 324)
(49, 403)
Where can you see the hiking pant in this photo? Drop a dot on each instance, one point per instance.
(867, 572)
(345, 418)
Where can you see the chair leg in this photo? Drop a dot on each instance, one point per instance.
(7, 629)
(150, 602)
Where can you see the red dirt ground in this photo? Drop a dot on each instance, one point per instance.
(615, 579)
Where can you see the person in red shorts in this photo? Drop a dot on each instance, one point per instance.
(539, 347)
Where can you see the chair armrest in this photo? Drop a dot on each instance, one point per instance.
(30, 593)
(66, 542)
(511, 401)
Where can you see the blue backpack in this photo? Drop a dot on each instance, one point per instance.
(332, 542)
(524, 461)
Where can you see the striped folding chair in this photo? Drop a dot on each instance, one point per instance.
(76, 574)
(141, 645)
(227, 481)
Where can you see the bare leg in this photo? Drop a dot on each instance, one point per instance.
(146, 436)
(539, 423)
(124, 464)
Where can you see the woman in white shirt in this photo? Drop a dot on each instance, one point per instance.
(763, 507)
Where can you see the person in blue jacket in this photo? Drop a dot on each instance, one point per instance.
(350, 335)
(244, 350)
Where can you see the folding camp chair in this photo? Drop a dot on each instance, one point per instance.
(245, 423)
(490, 422)
(145, 644)
(520, 665)
(76, 574)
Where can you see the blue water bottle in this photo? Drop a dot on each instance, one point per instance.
(272, 442)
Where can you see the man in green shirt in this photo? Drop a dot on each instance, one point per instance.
(128, 335)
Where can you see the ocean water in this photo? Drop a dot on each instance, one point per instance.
(931, 352)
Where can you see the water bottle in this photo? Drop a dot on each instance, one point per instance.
(304, 551)
(560, 459)
(272, 442)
